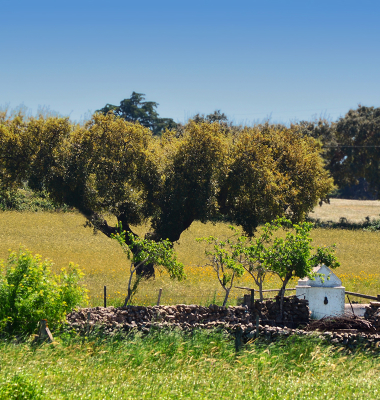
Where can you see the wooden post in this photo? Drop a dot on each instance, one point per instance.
(42, 333)
(45, 331)
(252, 305)
(352, 308)
(159, 296)
(238, 338)
(105, 296)
(247, 300)
(88, 322)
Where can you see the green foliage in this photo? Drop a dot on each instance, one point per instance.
(20, 387)
(28, 200)
(135, 109)
(325, 255)
(28, 150)
(368, 224)
(357, 153)
(225, 259)
(216, 116)
(288, 257)
(351, 150)
(145, 251)
(194, 166)
(272, 172)
(372, 226)
(29, 292)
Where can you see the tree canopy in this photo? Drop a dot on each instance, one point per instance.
(351, 150)
(288, 257)
(216, 116)
(135, 109)
(357, 153)
(112, 166)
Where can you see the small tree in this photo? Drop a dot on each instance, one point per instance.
(142, 251)
(225, 260)
(292, 256)
(253, 255)
(287, 257)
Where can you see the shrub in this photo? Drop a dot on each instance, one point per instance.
(27, 200)
(29, 292)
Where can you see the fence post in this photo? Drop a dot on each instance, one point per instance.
(238, 338)
(159, 296)
(88, 322)
(45, 331)
(105, 296)
(247, 300)
(252, 306)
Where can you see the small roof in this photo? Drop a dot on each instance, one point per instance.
(328, 278)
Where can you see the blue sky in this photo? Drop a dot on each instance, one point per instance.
(290, 60)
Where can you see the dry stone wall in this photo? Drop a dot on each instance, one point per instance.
(372, 314)
(295, 313)
(112, 321)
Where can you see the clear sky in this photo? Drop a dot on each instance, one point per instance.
(286, 59)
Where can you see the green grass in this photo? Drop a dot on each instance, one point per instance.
(174, 365)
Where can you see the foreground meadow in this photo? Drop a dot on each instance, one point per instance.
(63, 237)
(174, 365)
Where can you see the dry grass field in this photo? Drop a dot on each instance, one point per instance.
(353, 210)
(62, 237)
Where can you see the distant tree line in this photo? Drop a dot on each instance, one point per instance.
(351, 150)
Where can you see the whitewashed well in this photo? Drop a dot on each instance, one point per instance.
(325, 294)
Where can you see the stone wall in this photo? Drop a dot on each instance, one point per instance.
(372, 314)
(112, 321)
(295, 313)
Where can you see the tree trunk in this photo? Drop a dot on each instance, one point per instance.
(226, 297)
(261, 290)
(282, 294)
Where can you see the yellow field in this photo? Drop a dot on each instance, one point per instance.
(62, 237)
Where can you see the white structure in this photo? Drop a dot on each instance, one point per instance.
(325, 293)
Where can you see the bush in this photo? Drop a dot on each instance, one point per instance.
(26, 199)
(29, 292)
